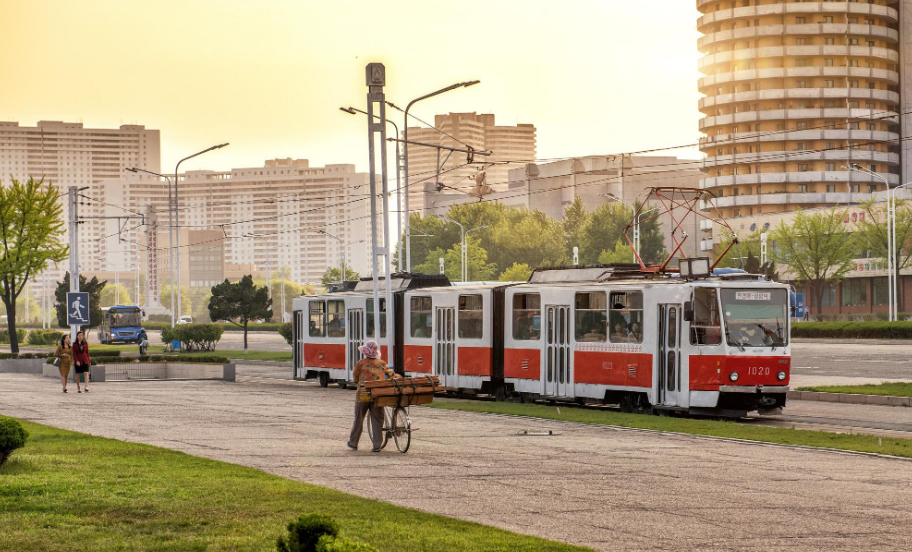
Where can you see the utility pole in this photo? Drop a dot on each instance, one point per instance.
(376, 79)
(73, 193)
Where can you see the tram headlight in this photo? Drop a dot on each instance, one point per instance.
(733, 376)
(781, 375)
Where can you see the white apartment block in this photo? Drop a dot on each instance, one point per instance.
(515, 144)
(269, 216)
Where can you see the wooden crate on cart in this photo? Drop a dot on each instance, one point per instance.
(404, 391)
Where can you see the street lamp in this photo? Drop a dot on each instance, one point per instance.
(636, 227)
(855, 167)
(170, 233)
(353, 111)
(408, 239)
(177, 217)
(342, 246)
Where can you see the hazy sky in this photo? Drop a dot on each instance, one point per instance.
(594, 76)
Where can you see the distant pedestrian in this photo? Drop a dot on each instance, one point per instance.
(369, 368)
(82, 361)
(807, 312)
(143, 341)
(64, 355)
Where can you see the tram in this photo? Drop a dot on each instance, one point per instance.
(689, 340)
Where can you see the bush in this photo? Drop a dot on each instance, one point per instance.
(44, 337)
(194, 337)
(856, 330)
(305, 532)
(202, 359)
(227, 326)
(286, 330)
(12, 437)
(20, 335)
(336, 544)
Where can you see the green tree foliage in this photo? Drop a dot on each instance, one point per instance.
(31, 232)
(240, 303)
(12, 436)
(871, 232)
(605, 226)
(333, 275)
(27, 308)
(518, 272)
(186, 302)
(115, 294)
(575, 218)
(816, 249)
(304, 533)
(199, 299)
(93, 287)
(622, 253)
(479, 268)
(523, 236)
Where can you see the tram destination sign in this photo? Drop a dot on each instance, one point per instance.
(753, 296)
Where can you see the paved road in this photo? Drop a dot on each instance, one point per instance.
(256, 341)
(872, 360)
(606, 488)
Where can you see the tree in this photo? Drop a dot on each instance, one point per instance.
(519, 272)
(199, 298)
(478, 267)
(333, 274)
(115, 294)
(93, 287)
(606, 225)
(817, 249)
(27, 308)
(164, 297)
(622, 253)
(524, 236)
(871, 232)
(575, 218)
(240, 303)
(31, 231)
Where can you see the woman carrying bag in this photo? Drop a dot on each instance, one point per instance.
(82, 360)
(64, 354)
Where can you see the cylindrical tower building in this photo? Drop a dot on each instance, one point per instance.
(794, 92)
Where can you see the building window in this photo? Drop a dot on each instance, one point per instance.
(872, 126)
(853, 84)
(802, 126)
(872, 188)
(802, 146)
(853, 126)
(829, 41)
(853, 63)
(801, 84)
(800, 21)
(829, 295)
(471, 316)
(801, 63)
(828, 63)
(831, 188)
(591, 316)
(870, 105)
(854, 292)
(879, 291)
(855, 188)
(421, 316)
(626, 316)
(831, 166)
(802, 41)
(802, 188)
(827, 18)
(853, 42)
(527, 316)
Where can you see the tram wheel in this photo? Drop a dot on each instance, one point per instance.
(342, 384)
(324, 379)
(402, 429)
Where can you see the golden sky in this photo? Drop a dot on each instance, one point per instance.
(594, 76)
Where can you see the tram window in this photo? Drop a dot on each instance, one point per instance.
(706, 328)
(527, 316)
(422, 318)
(625, 317)
(335, 318)
(591, 316)
(471, 316)
(369, 309)
(317, 319)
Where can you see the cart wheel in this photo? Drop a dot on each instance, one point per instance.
(324, 379)
(402, 429)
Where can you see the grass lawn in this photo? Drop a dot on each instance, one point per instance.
(734, 430)
(74, 492)
(251, 355)
(897, 389)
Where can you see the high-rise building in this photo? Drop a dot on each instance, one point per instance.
(270, 216)
(514, 144)
(795, 91)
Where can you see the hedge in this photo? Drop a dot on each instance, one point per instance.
(20, 335)
(863, 317)
(194, 337)
(228, 327)
(10, 356)
(44, 337)
(856, 330)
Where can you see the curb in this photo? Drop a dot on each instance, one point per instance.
(848, 398)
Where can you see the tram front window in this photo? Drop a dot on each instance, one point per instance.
(755, 317)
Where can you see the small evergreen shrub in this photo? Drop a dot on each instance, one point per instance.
(337, 544)
(304, 533)
(20, 335)
(194, 337)
(12, 437)
(44, 337)
(286, 330)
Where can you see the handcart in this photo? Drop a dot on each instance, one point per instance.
(396, 395)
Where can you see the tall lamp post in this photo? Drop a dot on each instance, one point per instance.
(855, 167)
(170, 233)
(636, 227)
(353, 111)
(408, 238)
(177, 221)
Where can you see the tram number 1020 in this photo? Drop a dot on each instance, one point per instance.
(758, 370)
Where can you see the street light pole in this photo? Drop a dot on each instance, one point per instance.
(408, 237)
(636, 227)
(170, 235)
(177, 221)
(855, 167)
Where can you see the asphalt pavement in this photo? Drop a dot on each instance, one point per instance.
(607, 488)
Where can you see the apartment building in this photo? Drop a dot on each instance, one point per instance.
(268, 217)
(507, 143)
(795, 91)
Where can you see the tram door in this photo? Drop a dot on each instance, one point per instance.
(355, 340)
(669, 380)
(445, 346)
(557, 351)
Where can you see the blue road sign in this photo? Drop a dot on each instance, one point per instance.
(77, 309)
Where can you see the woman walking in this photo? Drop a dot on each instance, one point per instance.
(82, 361)
(64, 354)
(369, 368)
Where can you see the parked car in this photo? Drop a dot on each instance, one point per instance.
(185, 319)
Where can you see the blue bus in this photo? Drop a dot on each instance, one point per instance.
(120, 323)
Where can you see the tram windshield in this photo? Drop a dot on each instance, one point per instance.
(755, 317)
